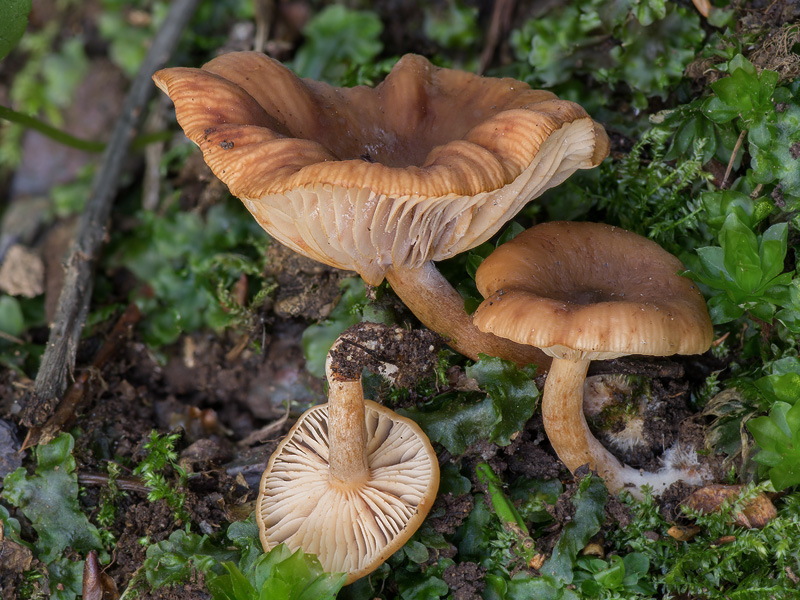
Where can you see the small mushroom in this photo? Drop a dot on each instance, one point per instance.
(587, 291)
(385, 180)
(353, 480)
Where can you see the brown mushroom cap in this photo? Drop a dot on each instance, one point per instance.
(351, 527)
(588, 290)
(428, 164)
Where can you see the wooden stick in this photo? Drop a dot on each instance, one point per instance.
(73, 303)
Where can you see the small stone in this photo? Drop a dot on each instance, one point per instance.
(22, 272)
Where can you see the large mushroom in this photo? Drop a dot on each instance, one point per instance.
(352, 481)
(385, 180)
(587, 291)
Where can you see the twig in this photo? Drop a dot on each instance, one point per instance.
(500, 21)
(65, 139)
(62, 137)
(11, 338)
(261, 435)
(733, 158)
(128, 484)
(73, 303)
(264, 14)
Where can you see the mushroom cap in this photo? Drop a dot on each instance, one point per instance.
(352, 528)
(589, 290)
(426, 165)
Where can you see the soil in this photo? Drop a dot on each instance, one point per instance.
(449, 512)
(405, 357)
(465, 580)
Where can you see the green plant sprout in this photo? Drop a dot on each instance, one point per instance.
(619, 576)
(160, 455)
(277, 575)
(746, 273)
(509, 516)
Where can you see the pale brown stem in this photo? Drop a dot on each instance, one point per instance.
(347, 430)
(440, 308)
(562, 411)
(703, 7)
(573, 441)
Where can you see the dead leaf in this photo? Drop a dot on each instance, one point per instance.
(22, 272)
(683, 533)
(756, 513)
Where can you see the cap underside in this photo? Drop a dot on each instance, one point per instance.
(351, 528)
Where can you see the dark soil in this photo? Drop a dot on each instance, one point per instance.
(449, 512)
(465, 580)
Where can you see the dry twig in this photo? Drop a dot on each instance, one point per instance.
(73, 303)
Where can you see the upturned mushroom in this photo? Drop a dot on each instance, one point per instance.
(353, 480)
(384, 181)
(587, 291)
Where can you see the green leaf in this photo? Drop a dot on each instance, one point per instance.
(13, 22)
(590, 502)
(778, 436)
(454, 26)
(741, 257)
(712, 258)
(776, 161)
(278, 575)
(526, 587)
(49, 499)
(720, 203)
(772, 251)
(723, 310)
(762, 310)
(783, 387)
(172, 560)
(66, 578)
(417, 587)
(719, 112)
(237, 585)
(612, 576)
(649, 11)
(337, 38)
(458, 422)
(636, 563)
(512, 392)
(737, 90)
(416, 552)
(12, 320)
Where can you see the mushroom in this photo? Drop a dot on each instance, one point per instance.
(385, 180)
(353, 480)
(587, 291)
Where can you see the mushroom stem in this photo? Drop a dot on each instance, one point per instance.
(440, 308)
(565, 424)
(573, 441)
(347, 431)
